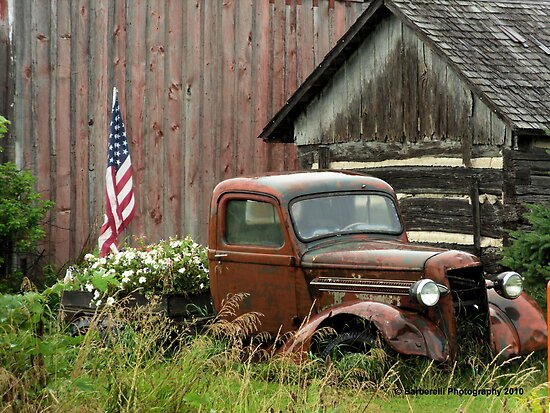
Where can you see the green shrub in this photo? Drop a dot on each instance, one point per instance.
(529, 252)
(21, 214)
(3, 127)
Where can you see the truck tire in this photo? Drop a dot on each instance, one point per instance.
(349, 342)
(80, 326)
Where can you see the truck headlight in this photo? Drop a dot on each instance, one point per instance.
(426, 292)
(509, 284)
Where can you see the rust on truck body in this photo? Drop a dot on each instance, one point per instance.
(518, 326)
(314, 248)
(404, 331)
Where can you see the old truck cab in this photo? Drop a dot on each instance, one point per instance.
(330, 249)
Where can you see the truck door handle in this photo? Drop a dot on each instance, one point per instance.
(218, 256)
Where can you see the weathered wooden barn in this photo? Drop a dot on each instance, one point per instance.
(449, 101)
(198, 80)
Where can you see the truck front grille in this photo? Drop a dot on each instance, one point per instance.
(469, 295)
(468, 288)
(358, 285)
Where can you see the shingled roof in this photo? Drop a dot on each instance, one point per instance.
(501, 48)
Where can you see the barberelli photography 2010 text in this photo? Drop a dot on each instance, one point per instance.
(456, 391)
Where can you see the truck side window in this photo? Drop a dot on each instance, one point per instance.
(251, 222)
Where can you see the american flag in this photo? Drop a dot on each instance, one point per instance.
(119, 191)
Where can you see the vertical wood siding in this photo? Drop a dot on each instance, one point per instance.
(396, 110)
(395, 88)
(197, 80)
(6, 84)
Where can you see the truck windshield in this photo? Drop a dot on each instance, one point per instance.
(345, 213)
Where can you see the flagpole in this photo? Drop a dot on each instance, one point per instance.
(120, 201)
(115, 92)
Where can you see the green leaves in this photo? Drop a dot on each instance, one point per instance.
(168, 266)
(22, 310)
(21, 208)
(22, 211)
(3, 127)
(101, 279)
(529, 253)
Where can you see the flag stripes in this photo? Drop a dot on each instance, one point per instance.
(119, 192)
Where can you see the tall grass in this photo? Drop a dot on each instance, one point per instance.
(138, 361)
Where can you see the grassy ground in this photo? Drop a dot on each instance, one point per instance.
(141, 370)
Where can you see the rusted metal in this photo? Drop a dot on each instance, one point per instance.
(304, 284)
(518, 326)
(353, 285)
(404, 331)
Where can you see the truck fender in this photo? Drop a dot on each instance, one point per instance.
(404, 331)
(518, 327)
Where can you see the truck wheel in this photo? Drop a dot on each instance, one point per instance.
(80, 326)
(349, 342)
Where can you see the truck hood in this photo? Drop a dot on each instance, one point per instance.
(369, 255)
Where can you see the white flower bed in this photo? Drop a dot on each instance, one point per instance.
(173, 266)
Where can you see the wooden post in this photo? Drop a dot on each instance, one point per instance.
(476, 215)
(324, 157)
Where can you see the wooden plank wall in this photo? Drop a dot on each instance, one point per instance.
(198, 80)
(6, 71)
(397, 88)
(396, 110)
(529, 173)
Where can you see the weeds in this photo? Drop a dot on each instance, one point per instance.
(133, 360)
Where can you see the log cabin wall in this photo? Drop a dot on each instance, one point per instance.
(397, 111)
(197, 81)
(529, 171)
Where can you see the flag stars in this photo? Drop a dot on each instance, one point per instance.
(118, 157)
(118, 143)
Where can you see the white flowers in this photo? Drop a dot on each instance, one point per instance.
(110, 301)
(69, 277)
(126, 276)
(176, 244)
(149, 261)
(170, 266)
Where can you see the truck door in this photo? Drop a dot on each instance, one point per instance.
(253, 255)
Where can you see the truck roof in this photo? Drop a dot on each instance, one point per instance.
(289, 185)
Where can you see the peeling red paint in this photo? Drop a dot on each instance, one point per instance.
(360, 276)
(3, 9)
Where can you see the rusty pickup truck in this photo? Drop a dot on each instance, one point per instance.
(329, 250)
